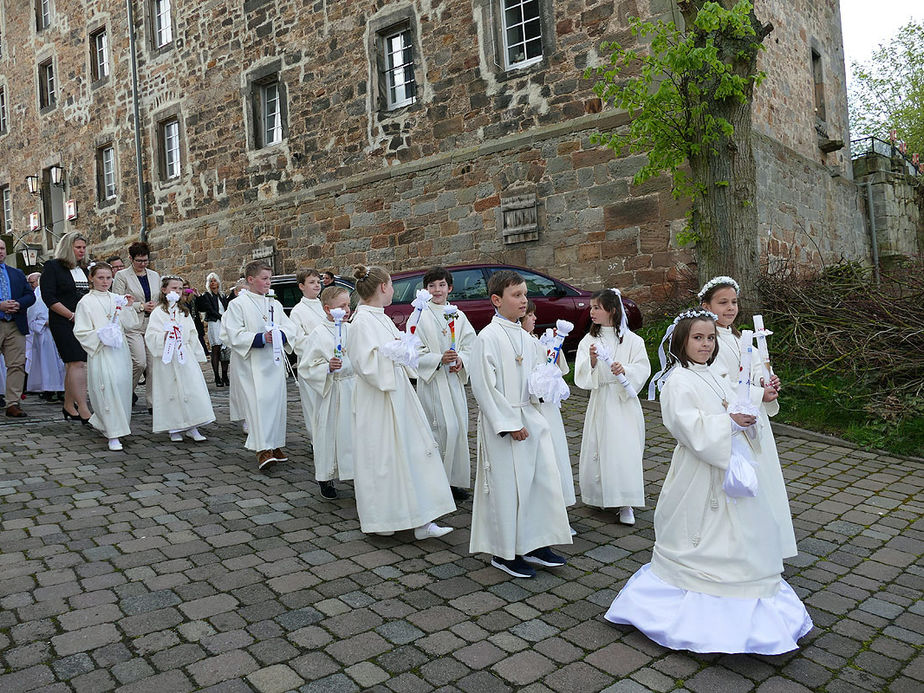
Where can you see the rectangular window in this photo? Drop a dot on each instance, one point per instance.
(163, 27)
(818, 79)
(400, 89)
(42, 14)
(170, 141)
(47, 84)
(2, 110)
(105, 171)
(271, 110)
(99, 60)
(522, 32)
(7, 210)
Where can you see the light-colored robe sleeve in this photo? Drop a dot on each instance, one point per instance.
(85, 326)
(585, 376)
(368, 362)
(637, 365)
(707, 436)
(314, 365)
(431, 352)
(465, 344)
(495, 408)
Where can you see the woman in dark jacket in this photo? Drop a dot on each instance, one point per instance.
(213, 303)
(64, 282)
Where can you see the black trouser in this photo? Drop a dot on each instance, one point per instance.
(216, 360)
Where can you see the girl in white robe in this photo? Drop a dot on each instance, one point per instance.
(441, 378)
(307, 314)
(46, 373)
(613, 442)
(399, 478)
(181, 401)
(257, 371)
(109, 364)
(331, 378)
(715, 582)
(720, 295)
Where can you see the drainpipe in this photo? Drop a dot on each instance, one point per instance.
(872, 229)
(139, 163)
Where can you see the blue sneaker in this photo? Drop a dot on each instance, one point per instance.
(517, 567)
(545, 557)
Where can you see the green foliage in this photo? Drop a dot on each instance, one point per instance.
(675, 90)
(888, 91)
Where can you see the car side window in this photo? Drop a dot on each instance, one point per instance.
(406, 288)
(468, 285)
(537, 285)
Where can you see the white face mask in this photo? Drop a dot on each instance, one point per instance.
(173, 297)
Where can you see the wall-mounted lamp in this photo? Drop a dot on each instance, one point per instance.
(56, 173)
(32, 182)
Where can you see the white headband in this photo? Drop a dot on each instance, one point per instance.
(718, 281)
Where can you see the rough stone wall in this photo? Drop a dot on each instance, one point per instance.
(351, 183)
(898, 204)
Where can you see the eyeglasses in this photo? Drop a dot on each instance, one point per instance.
(140, 260)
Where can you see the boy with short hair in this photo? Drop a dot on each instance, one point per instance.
(252, 326)
(518, 508)
(306, 314)
(327, 371)
(448, 340)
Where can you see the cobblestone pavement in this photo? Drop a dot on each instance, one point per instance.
(175, 567)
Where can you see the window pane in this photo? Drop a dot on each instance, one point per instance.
(522, 31)
(272, 116)
(399, 69)
(109, 187)
(2, 110)
(468, 285)
(537, 285)
(172, 149)
(7, 211)
(163, 27)
(406, 289)
(102, 55)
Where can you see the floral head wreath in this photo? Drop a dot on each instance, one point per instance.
(623, 321)
(718, 281)
(659, 378)
(170, 278)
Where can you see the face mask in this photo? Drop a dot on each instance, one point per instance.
(173, 297)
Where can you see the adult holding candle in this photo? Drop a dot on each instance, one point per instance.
(448, 339)
(720, 295)
(142, 284)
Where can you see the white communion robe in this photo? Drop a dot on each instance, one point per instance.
(46, 369)
(332, 415)
(307, 314)
(552, 414)
(518, 504)
(258, 383)
(109, 370)
(769, 469)
(613, 442)
(399, 478)
(181, 397)
(715, 582)
(442, 394)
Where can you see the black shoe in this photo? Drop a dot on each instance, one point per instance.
(459, 494)
(219, 382)
(68, 416)
(545, 557)
(327, 489)
(517, 567)
(134, 399)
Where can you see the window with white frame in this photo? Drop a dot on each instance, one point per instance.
(2, 110)
(99, 60)
(170, 148)
(271, 113)
(522, 32)
(47, 84)
(106, 172)
(398, 72)
(42, 14)
(162, 22)
(7, 210)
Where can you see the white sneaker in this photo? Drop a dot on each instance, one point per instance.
(114, 444)
(431, 530)
(195, 435)
(246, 427)
(176, 436)
(384, 534)
(626, 516)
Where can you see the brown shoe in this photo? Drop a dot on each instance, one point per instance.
(15, 411)
(265, 458)
(280, 455)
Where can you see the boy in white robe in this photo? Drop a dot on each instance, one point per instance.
(306, 315)
(327, 370)
(441, 378)
(99, 323)
(256, 328)
(518, 509)
(180, 396)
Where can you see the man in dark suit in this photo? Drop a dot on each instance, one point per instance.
(15, 297)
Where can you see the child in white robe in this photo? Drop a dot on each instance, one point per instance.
(307, 314)
(329, 374)
(518, 509)
(613, 441)
(720, 295)
(99, 323)
(46, 374)
(441, 378)
(715, 582)
(256, 328)
(399, 478)
(552, 412)
(180, 396)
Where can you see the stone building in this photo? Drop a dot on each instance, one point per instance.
(401, 132)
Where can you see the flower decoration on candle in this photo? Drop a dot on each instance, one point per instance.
(451, 312)
(338, 314)
(110, 334)
(406, 348)
(546, 381)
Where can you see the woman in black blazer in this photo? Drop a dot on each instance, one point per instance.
(212, 304)
(64, 282)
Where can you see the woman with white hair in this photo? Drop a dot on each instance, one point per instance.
(212, 304)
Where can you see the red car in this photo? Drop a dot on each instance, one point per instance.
(554, 299)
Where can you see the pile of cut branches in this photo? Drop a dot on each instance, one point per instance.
(841, 323)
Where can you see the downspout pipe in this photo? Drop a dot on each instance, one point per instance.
(874, 240)
(139, 160)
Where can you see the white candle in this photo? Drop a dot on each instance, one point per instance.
(762, 333)
(744, 372)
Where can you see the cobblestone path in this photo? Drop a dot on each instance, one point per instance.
(175, 567)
